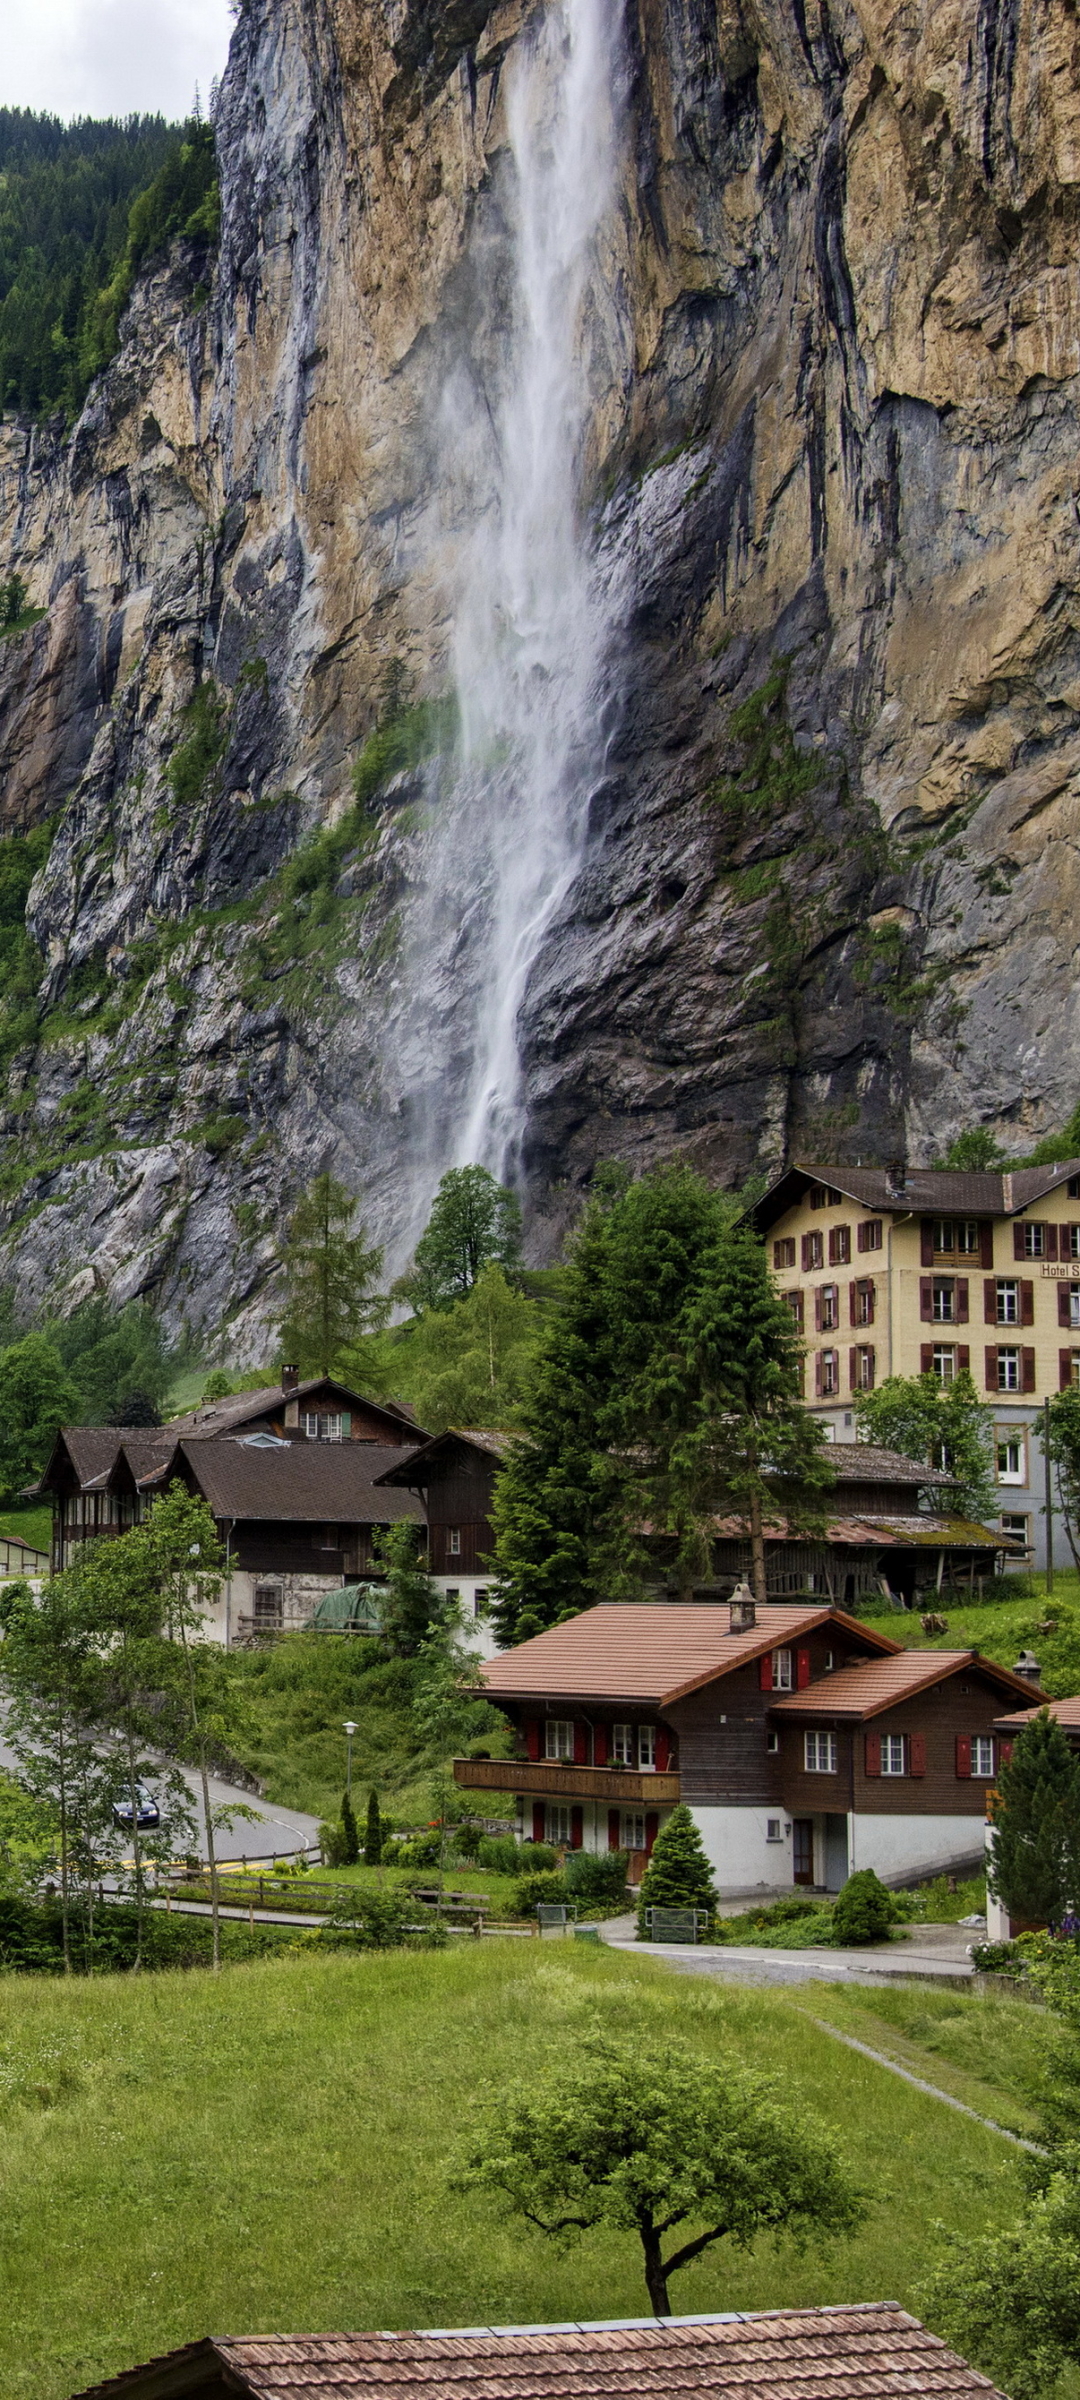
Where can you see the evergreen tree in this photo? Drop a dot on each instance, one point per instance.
(39, 1397)
(1034, 1865)
(373, 1834)
(350, 1831)
(329, 1274)
(678, 1874)
(474, 1222)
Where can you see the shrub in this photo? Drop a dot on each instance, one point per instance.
(417, 1850)
(380, 1921)
(597, 1875)
(863, 1911)
(333, 1845)
(503, 1854)
(532, 1889)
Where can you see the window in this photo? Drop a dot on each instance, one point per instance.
(1072, 1246)
(559, 1737)
(864, 1303)
(892, 1753)
(632, 1830)
(945, 1362)
(783, 1253)
(1034, 1241)
(819, 1753)
(328, 1538)
(1008, 1303)
(822, 1194)
(772, 1829)
(646, 1745)
(622, 1745)
(982, 1754)
(322, 1428)
(956, 1234)
(1074, 1303)
(453, 1541)
(479, 1603)
(968, 1243)
(830, 1661)
(869, 1234)
(1018, 1526)
(829, 1368)
(557, 1825)
(267, 1605)
(829, 1308)
(1010, 1458)
(863, 1377)
(839, 1245)
(813, 1251)
(772, 1741)
(1008, 1367)
(944, 1236)
(794, 1301)
(944, 1300)
(781, 1671)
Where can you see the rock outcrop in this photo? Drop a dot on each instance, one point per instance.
(830, 895)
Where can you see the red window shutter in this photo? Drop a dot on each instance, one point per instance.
(532, 1737)
(817, 1309)
(817, 1373)
(581, 1743)
(1064, 1369)
(1027, 1302)
(853, 1369)
(963, 1754)
(871, 1295)
(926, 1359)
(990, 1301)
(777, 1255)
(873, 1753)
(986, 1245)
(963, 1359)
(802, 1670)
(765, 1671)
(652, 1828)
(663, 1749)
(599, 1745)
(1018, 1241)
(962, 1301)
(928, 1241)
(539, 1821)
(1051, 1241)
(861, 1242)
(834, 1244)
(1027, 1373)
(926, 1299)
(1004, 1754)
(871, 1365)
(805, 1253)
(613, 1829)
(1064, 1317)
(853, 1304)
(991, 1369)
(917, 1754)
(577, 1828)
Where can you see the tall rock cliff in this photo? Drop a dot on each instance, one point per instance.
(825, 888)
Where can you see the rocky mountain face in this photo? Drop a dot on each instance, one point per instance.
(826, 895)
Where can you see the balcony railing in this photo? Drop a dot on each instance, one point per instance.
(551, 1779)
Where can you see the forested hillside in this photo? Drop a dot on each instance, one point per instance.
(80, 207)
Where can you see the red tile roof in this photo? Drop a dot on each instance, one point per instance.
(876, 2352)
(879, 1683)
(1067, 1712)
(651, 1650)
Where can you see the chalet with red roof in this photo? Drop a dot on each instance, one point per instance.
(806, 1743)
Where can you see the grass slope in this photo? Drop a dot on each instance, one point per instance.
(269, 2153)
(1002, 1628)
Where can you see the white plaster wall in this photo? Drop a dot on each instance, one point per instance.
(896, 1846)
(741, 1857)
(477, 1631)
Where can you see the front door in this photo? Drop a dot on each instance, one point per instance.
(803, 1831)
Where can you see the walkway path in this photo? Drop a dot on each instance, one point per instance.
(925, 1954)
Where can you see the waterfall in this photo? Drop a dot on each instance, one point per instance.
(530, 609)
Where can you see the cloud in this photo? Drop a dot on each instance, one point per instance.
(106, 58)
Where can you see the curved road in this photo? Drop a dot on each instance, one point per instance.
(274, 1833)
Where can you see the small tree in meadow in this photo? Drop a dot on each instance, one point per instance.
(651, 2141)
(373, 1836)
(1034, 1866)
(349, 1831)
(678, 1874)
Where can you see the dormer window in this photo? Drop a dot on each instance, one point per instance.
(322, 1426)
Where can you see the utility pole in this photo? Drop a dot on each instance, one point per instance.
(1049, 1499)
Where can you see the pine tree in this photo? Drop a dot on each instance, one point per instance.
(350, 1831)
(329, 1272)
(678, 1874)
(373, 1832)
(1034, 1866)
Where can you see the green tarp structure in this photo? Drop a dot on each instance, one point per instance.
(355, 1609)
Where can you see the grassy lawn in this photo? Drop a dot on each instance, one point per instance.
(987, 2051)
(269, 2153)
(33, 1525)
(1002, 1628)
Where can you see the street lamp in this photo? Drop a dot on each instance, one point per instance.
(349, 1729)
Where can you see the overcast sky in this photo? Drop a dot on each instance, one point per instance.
(104, 58)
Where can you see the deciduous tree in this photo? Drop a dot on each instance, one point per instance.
(474, 1222)
(945, 1425)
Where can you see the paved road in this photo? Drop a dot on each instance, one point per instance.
(275, 1833)
(929, 1953)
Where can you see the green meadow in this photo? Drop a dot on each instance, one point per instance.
(272, 2151)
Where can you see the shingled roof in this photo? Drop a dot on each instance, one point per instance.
(414, 1469)
(1066, 1713)
(926, 1191)
(237, 1409)
(876, 2352)
(331, 1482)
(651, 1650)
(874, 1684)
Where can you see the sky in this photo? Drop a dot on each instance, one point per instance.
(106, 58)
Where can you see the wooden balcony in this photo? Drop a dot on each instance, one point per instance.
(552, 1779)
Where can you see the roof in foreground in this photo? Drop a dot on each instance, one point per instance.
(879, 1683)
(1067, 1713)
(652, 1650)
(876, 2352)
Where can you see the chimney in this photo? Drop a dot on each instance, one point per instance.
(743, 1609)
(1027, 1665)
(896, 1178)
(290, 1377)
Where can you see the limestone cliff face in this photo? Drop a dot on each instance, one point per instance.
(831, 891)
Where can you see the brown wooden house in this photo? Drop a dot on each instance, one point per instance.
(454, 1474)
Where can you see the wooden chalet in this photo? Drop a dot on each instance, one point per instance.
(805, 1742)
(888, 1533)
(851, 2352)
(454, 1474)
